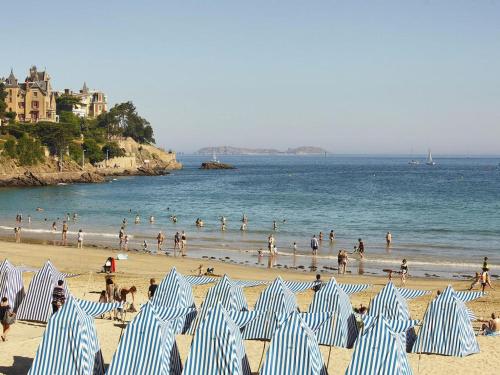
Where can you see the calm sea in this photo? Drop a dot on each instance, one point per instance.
(444, 219)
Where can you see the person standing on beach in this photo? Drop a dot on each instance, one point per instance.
(361, 248)
(151, 219)
(332, 235)
(388, 238)
(121, 235)
(183, 243)
(320, 236)
(125, 243)
(177, 241)
(80, 240)
(64, 236)
(275, 226)
(314, 245)
(270, 244)
(404, 271)
(160, 238)
(295, 247)
(17, 234)
(152, 288)
(5, 314)
(58, 296)
(137, 219)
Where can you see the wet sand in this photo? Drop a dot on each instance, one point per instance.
(24, 338)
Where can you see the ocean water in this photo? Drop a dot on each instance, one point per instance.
(444, 219)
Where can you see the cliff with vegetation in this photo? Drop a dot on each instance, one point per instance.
(80, 150)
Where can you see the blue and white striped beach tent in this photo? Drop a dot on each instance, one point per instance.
(148, 345)
(293, 350)
(217, 347)
(199, 280)
(274, 305)
(227, 293)
(36, 305)
(175, 291)
(379, 348)
(69, 344)
(11, 284)
(340, 329)
(446, 327)
(96, 309)
(392, 305)
(353, 288)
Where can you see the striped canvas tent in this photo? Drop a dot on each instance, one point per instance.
(353, 288)
(392, 305)
(340, 329)
(446, 328)
(11, 284)
(250, 283)
(36, 305)
(148, 345)
(96, 309)
(69, 344)
(274, 305)
(227, 293)
(468, 296)
(293, 350)
(175, 291)
(217, 347)
(379, 348)
(199, 280)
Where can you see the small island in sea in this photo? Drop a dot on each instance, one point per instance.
(229, 150)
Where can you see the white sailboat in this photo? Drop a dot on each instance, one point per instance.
(214, 158)
(429, 159)
(413, 161)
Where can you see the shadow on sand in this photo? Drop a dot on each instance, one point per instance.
(21, 366)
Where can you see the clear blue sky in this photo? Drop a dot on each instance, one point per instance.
(349, 76)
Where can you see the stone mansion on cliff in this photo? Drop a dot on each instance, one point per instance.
(35, 99)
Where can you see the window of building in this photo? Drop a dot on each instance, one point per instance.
(10, 99)
(35, 93)
(10, 92)
(34, 104)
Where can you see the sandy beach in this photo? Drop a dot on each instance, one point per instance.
(18, 352)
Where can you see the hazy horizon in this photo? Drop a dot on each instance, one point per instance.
(385, 78)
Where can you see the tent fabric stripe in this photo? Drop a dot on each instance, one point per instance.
(69, 344)
(147, 347)
(227, 293)
(341, 329)
(274, 305)
(299, 286)
(11, 284)
(446, 328)
(36, 305)
(412, 293)
(217, 347)
(354, 288)
(249, 283)
(468, 296)
(391, 304)
(175, 291)
(293, 350)
(96, 309)
(199, 280)
(379, 348)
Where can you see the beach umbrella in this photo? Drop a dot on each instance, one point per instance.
(217, 347)
(294, 350)
(11, 284)
(36, 305)
(227, 293)
(69, 344)
(274, 305)
(341, 329)
(379, 348)
(175, 291)
(148, 344)
(393, 306)
(446, 327)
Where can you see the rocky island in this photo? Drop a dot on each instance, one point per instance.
(228, 150)
(216, 165)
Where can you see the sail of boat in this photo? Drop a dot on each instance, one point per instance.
(429, 159)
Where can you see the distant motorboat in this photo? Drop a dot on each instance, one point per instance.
(414, 162)
(429, 159)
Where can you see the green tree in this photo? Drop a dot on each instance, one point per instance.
(11, 117)
(124, 120)
(75, 151)
(9, 148)
(113, 150)
(66, 103)
(3, 104)
(55, 136)
(29, 151)
(93, 152)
